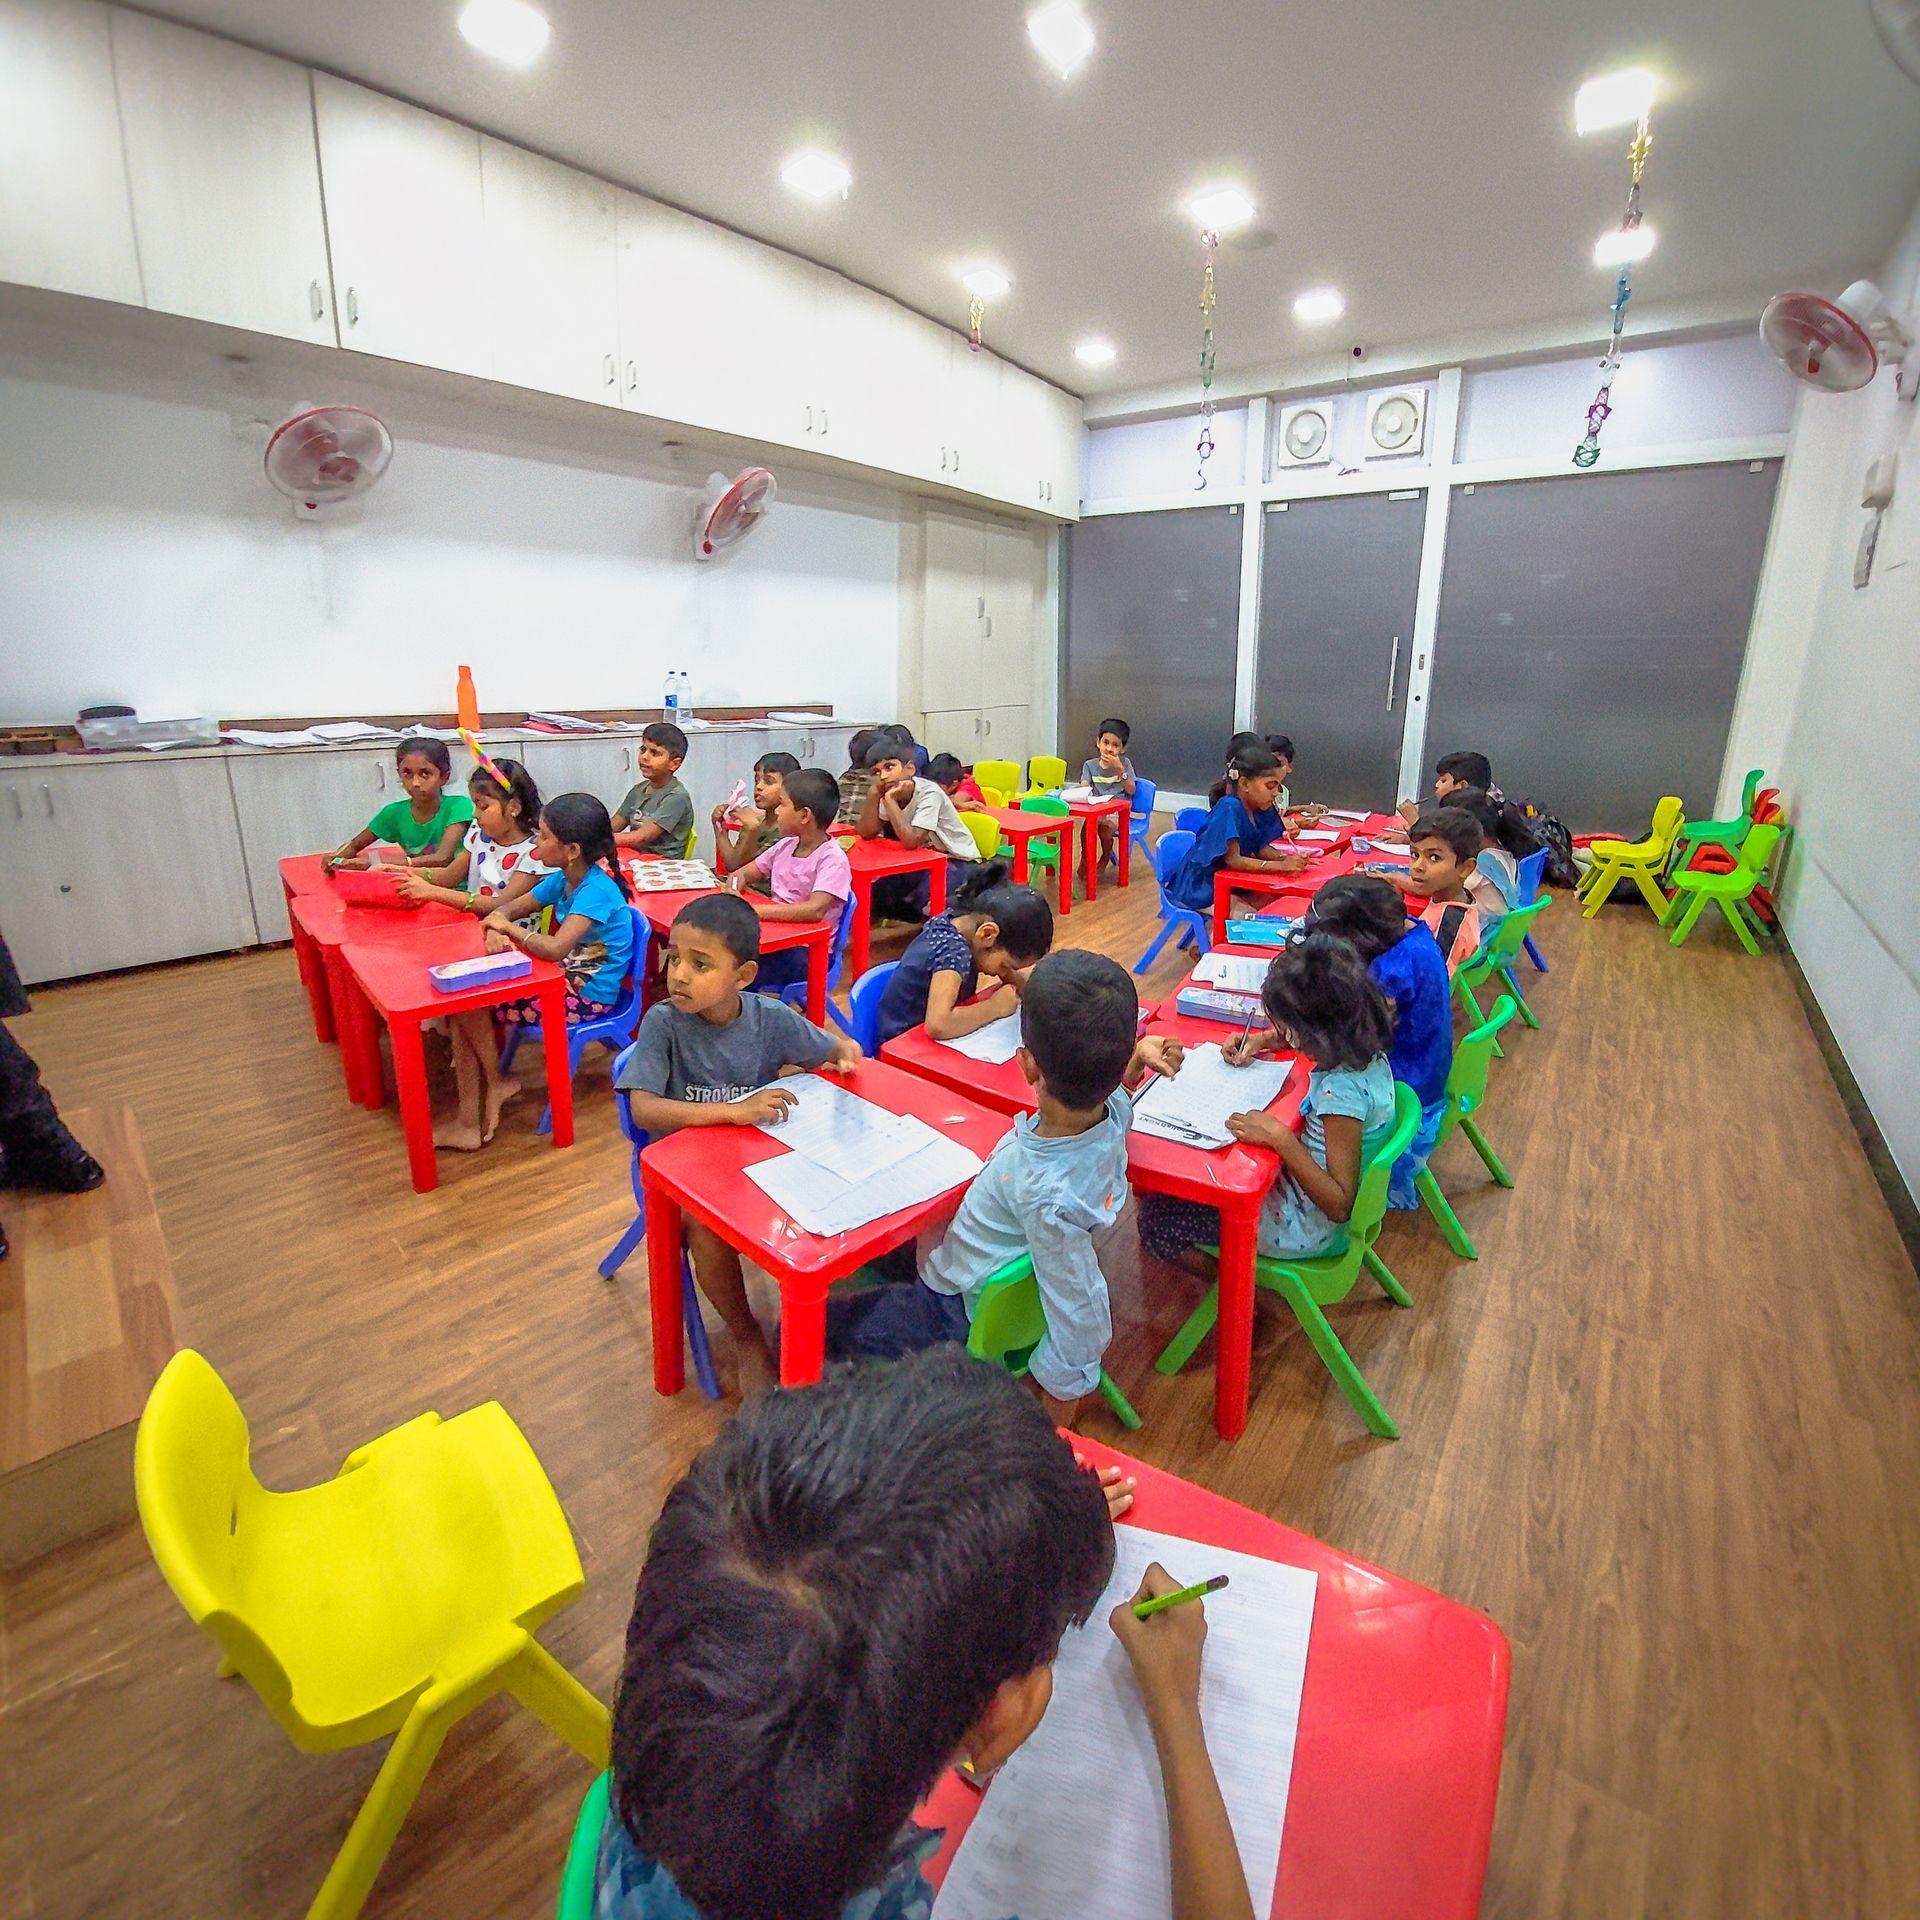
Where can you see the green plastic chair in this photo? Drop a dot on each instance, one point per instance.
(583, 1854)
(1498, 952)
(1009, 1322)
(1308, 1284)
(1727, 891)
(1720, 833)
(1045, 854)
(1046, 770)
(1466, 1094)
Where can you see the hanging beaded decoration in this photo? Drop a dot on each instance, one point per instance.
(1210, 243)
(975, 314)
(1588, 451)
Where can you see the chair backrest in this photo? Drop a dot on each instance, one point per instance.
(621, 1109)
(631, 987)
(1750, 787)
(994, 796)
(1190, 819)
(1048, 803)
(1047, 770)
(582, 1871)
(1145, 793)
(1472, 1058)
(986, 833)
(1511, 929)
(1004, 775)
(1766, 805)
(1528, 873)
(1008, 1321)
(1757, 849)
(1669, 816)
(864, 1001)
(1168, 851)
(1370, 1198)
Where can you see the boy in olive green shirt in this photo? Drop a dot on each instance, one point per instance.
(657, 814)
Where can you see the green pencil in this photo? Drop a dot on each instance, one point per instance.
(1142, 1609)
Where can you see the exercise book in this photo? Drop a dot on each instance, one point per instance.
(821, 1200)
(992, 1045)
(1193, 1106)
(837, 1130)
(1074, 1826)
(1237, 972)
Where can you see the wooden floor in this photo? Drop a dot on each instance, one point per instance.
(1666, 1432)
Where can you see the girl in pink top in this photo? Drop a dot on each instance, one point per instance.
(805, 871)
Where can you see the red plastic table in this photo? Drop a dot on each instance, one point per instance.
(1002, 1087)
(1397, 1762)
(307, 873)
(873, 860)
(1022, 828)
(702, 1171)
(392, 978)
(1329, 861)
(1090, 813)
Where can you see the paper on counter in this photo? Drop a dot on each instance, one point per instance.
(992, 1045)
(1193, 1106)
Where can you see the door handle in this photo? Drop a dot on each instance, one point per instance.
(809, 419)
(823, 419)
(607, 366)
(1393, 671)
(633, 379)
(986, 723)
(315, 305)
(19, 812)
(46, 794)
(353, 308)
(380, 776)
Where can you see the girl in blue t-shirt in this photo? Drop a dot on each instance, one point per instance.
(592, 943)
(1240, 833)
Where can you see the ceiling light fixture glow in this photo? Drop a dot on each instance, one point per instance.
(1062, 35)
(1614, 100)
(985, 283)
(1319, 306)
(817, 175)
(1095, 353)
(1221, 209)
(509, 31)
(1621, 246)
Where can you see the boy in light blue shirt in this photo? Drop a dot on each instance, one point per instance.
(1048, 1187)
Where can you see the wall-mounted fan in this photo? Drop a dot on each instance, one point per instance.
(1834, 346)
(321, 456)
(1396, 422)
(732, 509)
(1305, 437)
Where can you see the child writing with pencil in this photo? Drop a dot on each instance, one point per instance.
(851, 1590)
(428, 823)
(1244, 833)
(991, 926)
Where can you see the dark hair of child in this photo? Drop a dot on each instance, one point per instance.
(1280, 746)
(780, 763)
(858, 745)
(578, 819)
(1501, 823)
(1361, 909)
(814, 790)
(663, 733)
(887, 744)
(1118, 728)
(944, 770)
(729, 919)
(1318, 992)
(1023, 916)
(519, 786)
(832, 1596)
(1247, 753)
(1079, 1013)
(1474, 769)
(428, 748)
(1457, 827)
(900, 731)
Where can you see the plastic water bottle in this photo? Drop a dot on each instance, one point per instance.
(685, 696)
(670, 696)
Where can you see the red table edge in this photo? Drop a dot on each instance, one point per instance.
(1195, 1513)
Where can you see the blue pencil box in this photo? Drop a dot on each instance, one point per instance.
(483, 970)
(1268, 931)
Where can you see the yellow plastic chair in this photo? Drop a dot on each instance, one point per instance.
(994, 796)
(1047, 772)
(1637, 860)
(392, 1599)
(986, 834)
(1003, 776)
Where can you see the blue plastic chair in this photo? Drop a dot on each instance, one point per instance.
(1140, 815)
(1190, 819)
(1167, 854)
(1529, 873)
(631, 1239)
(864, 998)
(795, 992)
(615, 1028)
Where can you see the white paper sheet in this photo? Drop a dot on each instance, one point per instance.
(823, 1201)
(846, 1135)
(1341, 813)
(1081, 794)
(992, 1045)
(1193, 1106)
(568, 722)
(1322, 836)
(793, 717)
(1074, 1826)
(1236, 972)
(339, 730)
(253, 737)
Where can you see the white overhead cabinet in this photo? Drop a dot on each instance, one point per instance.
(65, 220)
(552, 275)
(969, 418)
(980, 636)
(407, 225)
(1039, 444)
(225, 180)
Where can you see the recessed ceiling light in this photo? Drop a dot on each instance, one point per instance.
(1221, 209)
(1319, 306)
(1061, 34)
(506, 30)
(1614, 100)
(817, 175)
(1621, 246)
(985, 283)
(1095, 353)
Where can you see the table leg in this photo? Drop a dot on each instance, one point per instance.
(859, 939)
(803, 1337)
(663, 1286)
(1126, 846)
(1064, 838)
(359, 1036)
(937, 888)
(313, 981)
(553, 1026)
(1090, 852)
(1019, 859)
(1233, 1340)
(416, 1110)
(817, 980)
(1222, 891)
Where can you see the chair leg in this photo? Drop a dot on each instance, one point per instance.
(1122, 1407)
(1526, 1009)
(1729, 912)
(702, 1349)
(1338, 1361)
(1384, 1274)
(1536, 956)
(1444, 1217)
(1696, 906)
(553, 1696)
(1676, 905)
(1751, 916)
(1199, 1323)
(841, 1021)
(1649, 892)
(510, 1046)
(1153, 952)
(623, 1248)
(1491, 1160)
(1599, 885)
(576, 1052)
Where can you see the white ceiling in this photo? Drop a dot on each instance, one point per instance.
(1421, 158)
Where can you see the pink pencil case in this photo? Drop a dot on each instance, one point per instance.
(375, 887)
(483, 970)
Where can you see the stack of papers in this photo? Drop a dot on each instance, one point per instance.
(992, 1045)
(1193, 1106)
(1075, 1823)
(792, 717)
(567, 723)
(838, 1143)
(1072, 794)
(342, 730)
(671, 876)
(1342, 813)
(1236, 972)
(252, 737)
(1317, 836)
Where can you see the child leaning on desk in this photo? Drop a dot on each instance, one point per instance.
(1048, 1187)
(703, 1058)
(427, 824)
(851, 1590)
(1241, 833)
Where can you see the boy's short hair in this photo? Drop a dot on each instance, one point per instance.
(777, 762)
(1457, 827)
(945, 770)
(1079, 1013)
(814, 790)
(858, 745)
(886, 745)
(729, 919)
(900, 731)
(1280, 745)
(832, 1596)
(428, 748)
(1470, 769)
(1118, 728)
(663, 733)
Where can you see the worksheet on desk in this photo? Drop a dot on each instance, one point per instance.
(822, 1201)
(992, 1045)
(838, 1131)
(1074, 1826)
(1193, 1106)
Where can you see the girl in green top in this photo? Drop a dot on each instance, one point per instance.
(428, 823)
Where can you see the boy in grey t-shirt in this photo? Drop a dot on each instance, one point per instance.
(703, 1058)
(657, 814)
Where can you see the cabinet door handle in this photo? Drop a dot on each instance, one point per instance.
(633, 379)
(19, 812)
(823, 419)
(626, 759)
(315, 304)
(809, 419)
(986, 724)
(46, 794)
(1393, 671)
(956, 459)
(353, 308)
(380, 776)
(607, 366)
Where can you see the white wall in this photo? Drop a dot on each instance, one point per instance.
(146, 560)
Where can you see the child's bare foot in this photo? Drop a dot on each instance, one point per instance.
(456, 1134)
(757, 1372)
(497, 1097)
